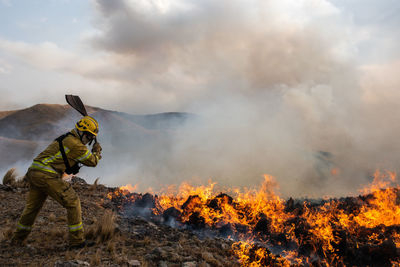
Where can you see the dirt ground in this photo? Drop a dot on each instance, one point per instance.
(120, 241)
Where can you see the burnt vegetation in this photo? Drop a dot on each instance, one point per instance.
(120, 240)
(131, 229)
(306, 232)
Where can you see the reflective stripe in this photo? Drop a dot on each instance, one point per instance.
(42, 167)
(23, 227)
(58, 155)
(84, 156)
(76, 227)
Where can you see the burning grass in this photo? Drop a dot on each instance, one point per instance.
(247, 227)
(268, 230)
(120, 240)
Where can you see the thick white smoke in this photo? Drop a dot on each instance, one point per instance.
(276, 86)
(286, 88)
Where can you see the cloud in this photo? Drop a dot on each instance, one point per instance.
(195, 49)
(49, 56)
(170, 54)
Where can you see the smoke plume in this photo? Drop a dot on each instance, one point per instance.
(276, 87)
(284, 88)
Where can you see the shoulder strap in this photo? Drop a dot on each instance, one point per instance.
(60, 139)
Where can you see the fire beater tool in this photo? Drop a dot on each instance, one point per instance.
(76, 102)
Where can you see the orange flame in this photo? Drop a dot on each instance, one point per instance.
(247, 206)
(129, 188)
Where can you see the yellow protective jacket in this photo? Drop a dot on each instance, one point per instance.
(51, 162)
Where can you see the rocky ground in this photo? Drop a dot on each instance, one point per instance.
(120, 241)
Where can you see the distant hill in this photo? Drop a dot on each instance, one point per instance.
(34, 123)
(22, 131)
(13, 150)
(168, 120)
(6, 113)
(39, 122)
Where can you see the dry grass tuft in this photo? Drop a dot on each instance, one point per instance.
(111, 246)
(147, 264)
(103, 229)
(122, 259)
(8, 233)
(69, 255)
(106, 228)
(56, 233)
(52, 217)
(22, 182)
(10, 177)
(209, 258)
(91, 230)
(77, 256)
(96, 258)
(90, 233)
(94, 186)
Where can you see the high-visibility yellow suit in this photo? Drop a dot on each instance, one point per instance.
(45, 179)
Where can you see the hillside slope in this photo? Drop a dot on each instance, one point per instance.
(24, 132)
(6, 113)
(14, 150)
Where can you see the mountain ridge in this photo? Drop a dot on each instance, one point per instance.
(33, 123)
(21, 131)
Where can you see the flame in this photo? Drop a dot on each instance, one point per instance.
(259, 256)
(123, 190)
(383, 206)
(396, 239)
(256, 215)
(129, 188)
(335, 171)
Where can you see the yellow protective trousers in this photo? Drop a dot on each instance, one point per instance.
(41, 186)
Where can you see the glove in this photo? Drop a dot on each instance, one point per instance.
(96, 148)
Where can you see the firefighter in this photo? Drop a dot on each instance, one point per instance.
(64, 155)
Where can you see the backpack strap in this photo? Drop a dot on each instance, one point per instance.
(68, 169)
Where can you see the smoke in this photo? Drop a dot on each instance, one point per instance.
(277, 88)
(275, 84)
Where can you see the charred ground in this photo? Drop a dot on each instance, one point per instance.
(297, 233)
(261, 229)
(120, 241)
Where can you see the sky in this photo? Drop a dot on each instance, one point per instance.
(292, 88)
(166, 55)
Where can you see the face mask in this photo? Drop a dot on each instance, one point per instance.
(90, 137)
